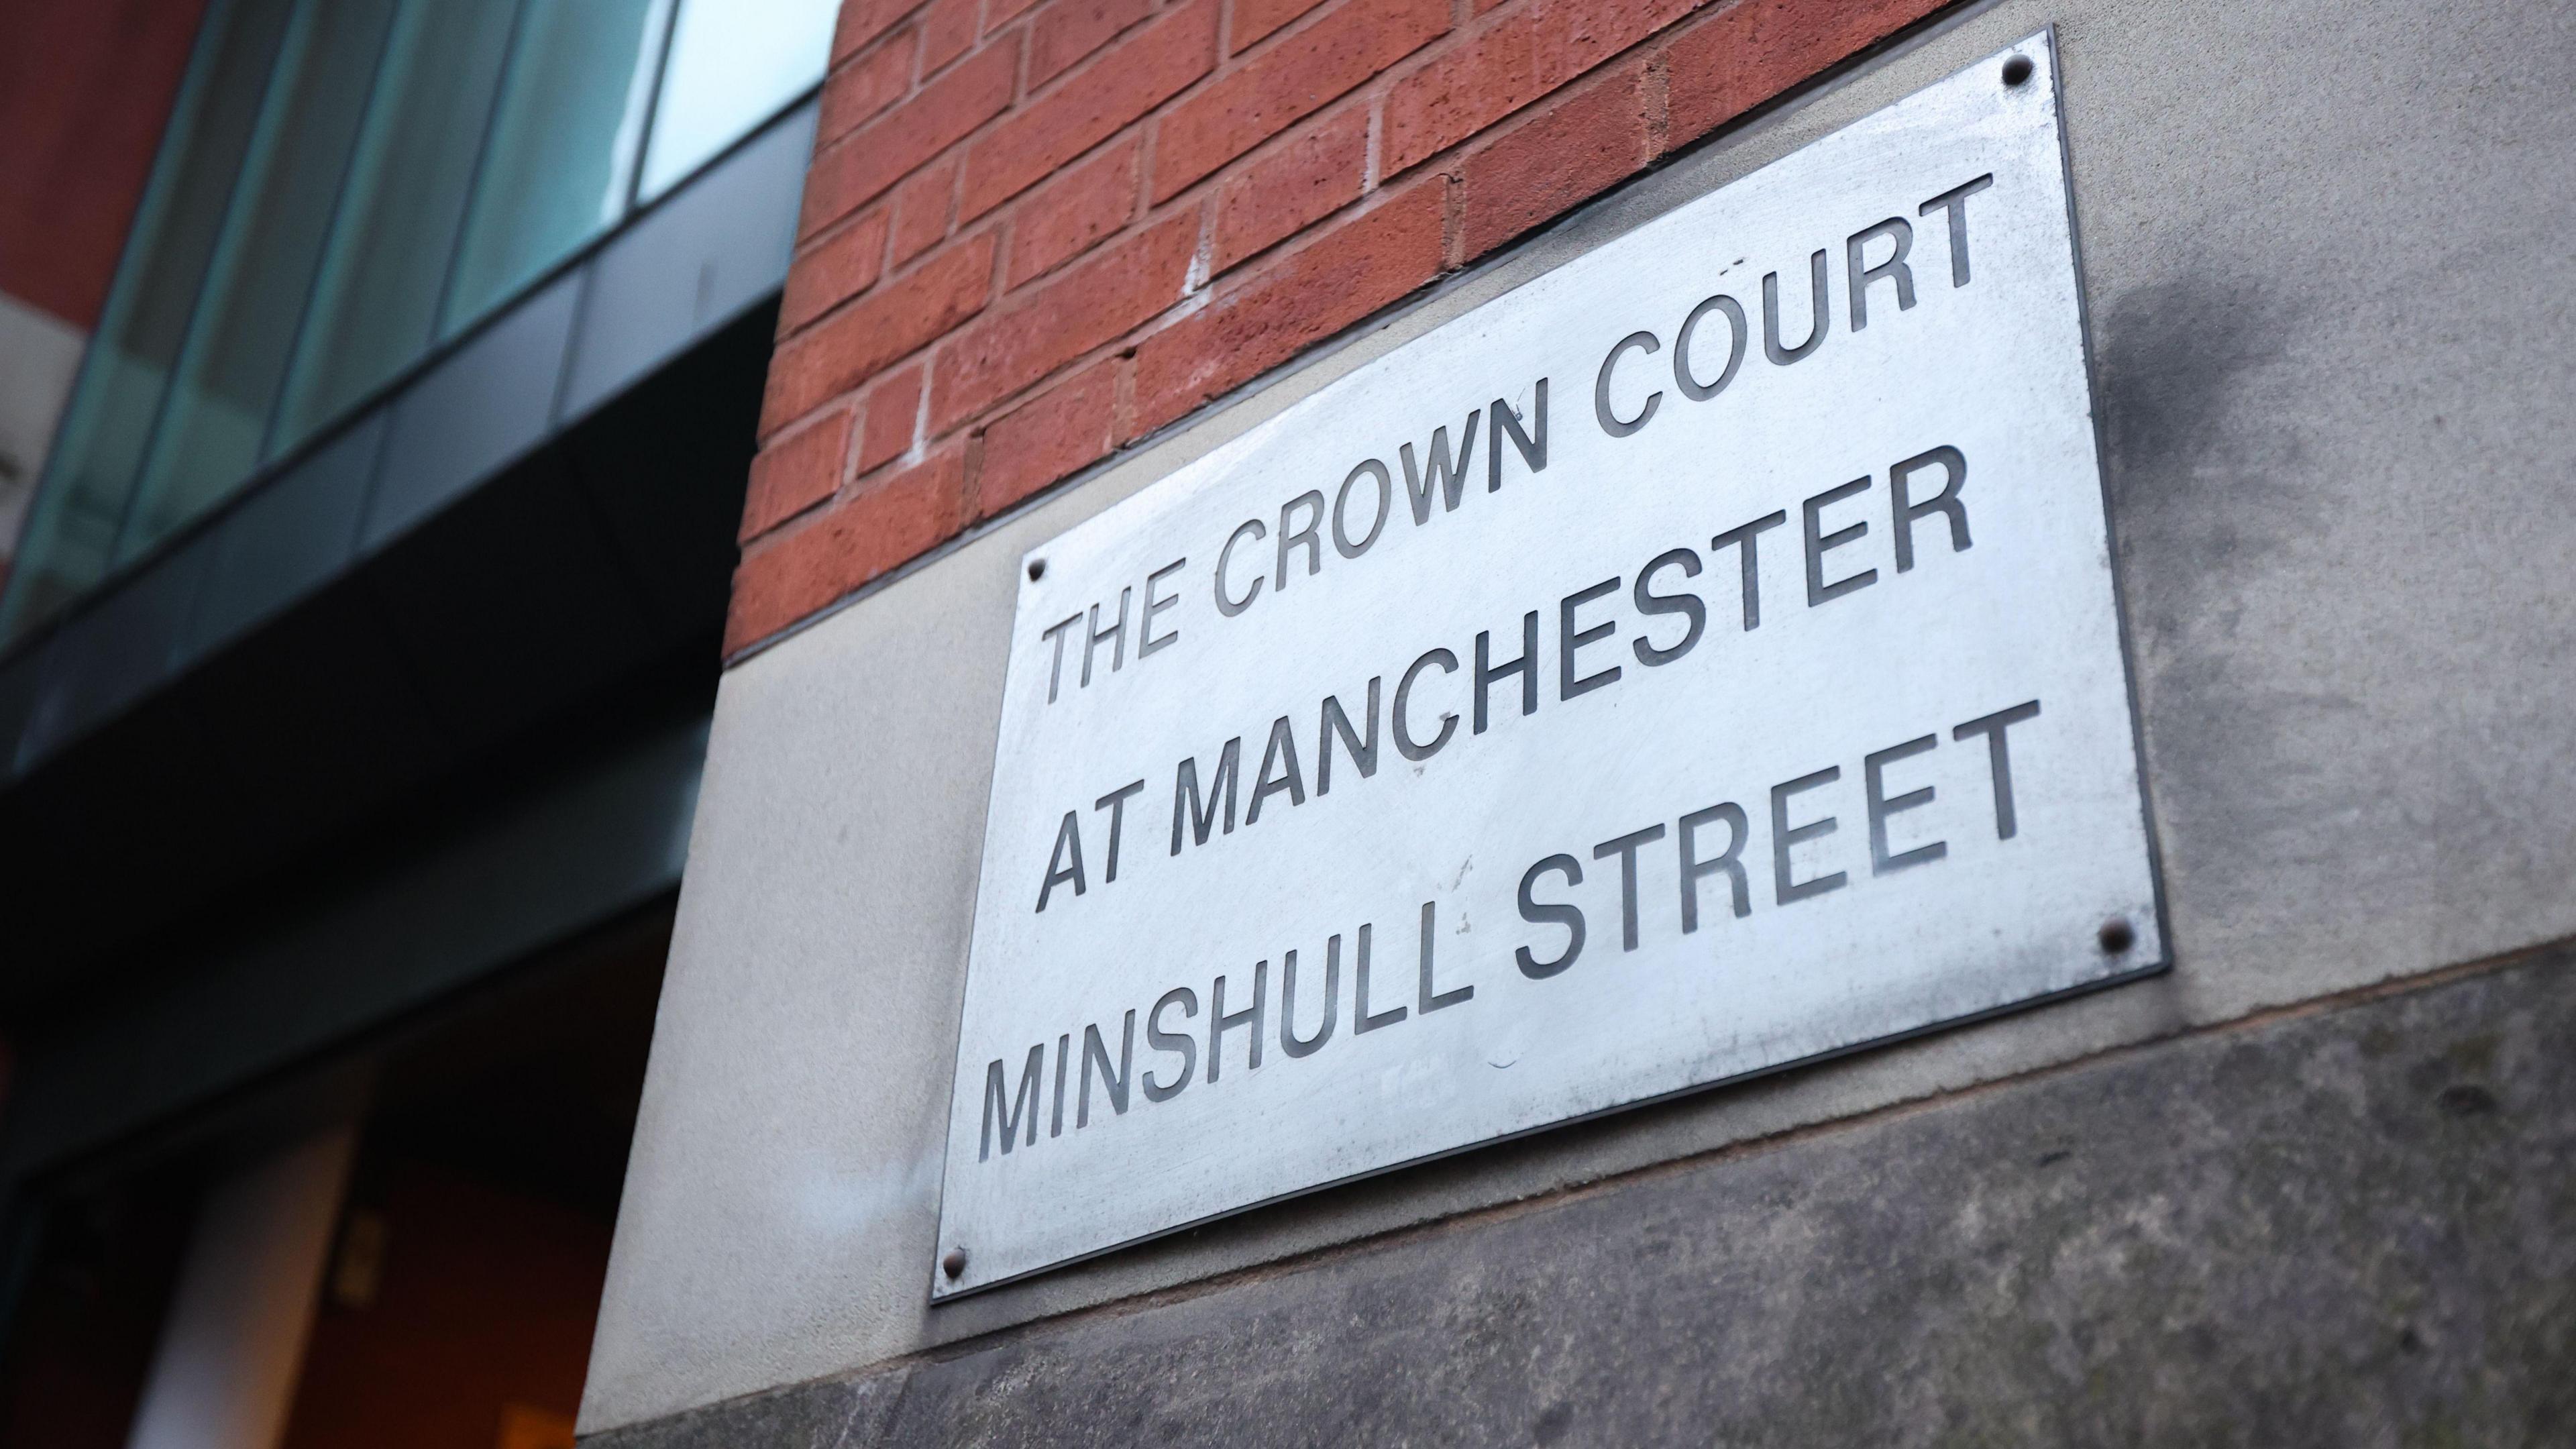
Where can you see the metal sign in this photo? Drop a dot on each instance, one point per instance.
(1699, 660)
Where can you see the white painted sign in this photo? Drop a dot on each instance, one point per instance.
(1699, 660)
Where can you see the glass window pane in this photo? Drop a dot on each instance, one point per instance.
(561, 157)
(376, 300)
(90, 474)
(211, 425)
(733, 64)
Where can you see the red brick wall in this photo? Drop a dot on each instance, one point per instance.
(1036, 230)
(85, 91)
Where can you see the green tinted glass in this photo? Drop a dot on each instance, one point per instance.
(560, 160)
(733, 64)
(89, 477)
(235, 357)
(346, 183)
(376, 299)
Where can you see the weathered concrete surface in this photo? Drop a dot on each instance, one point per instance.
(2326, 262)
(2354, 1226)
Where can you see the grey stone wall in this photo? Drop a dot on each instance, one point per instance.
(2347, 1225)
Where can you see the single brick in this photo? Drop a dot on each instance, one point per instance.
(998, 13)
(864, 20)
(1316, 174)
(921, 208)
(1068, 30)
(1353, 269)
(866, 86)
(1257, 20)
(1574, 148)
(859, 167)
(855, 343)
(1287, 82)
(893, 417)
(1740, 57)
(795, 471)
(838, 266)
(1063, 318)
(792, 573)
(1455, 94)
(1534, 50)
(948, 27)
(1071, 424)
(1088, 106)
(1067, 216)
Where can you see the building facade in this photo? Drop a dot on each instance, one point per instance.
(613, 602)
(359, 644)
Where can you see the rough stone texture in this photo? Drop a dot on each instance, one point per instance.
(2348, 1227)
